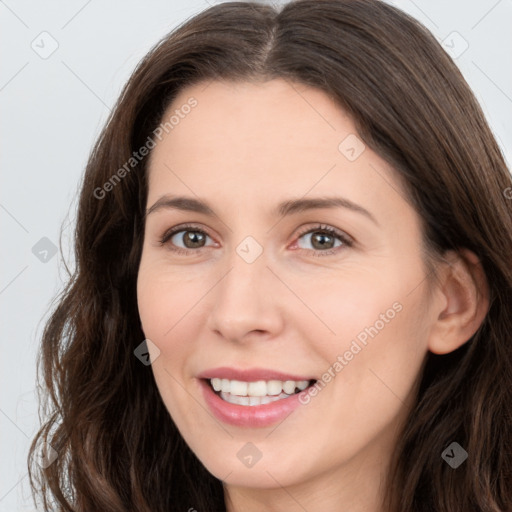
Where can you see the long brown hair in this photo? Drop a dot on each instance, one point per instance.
(118, 449)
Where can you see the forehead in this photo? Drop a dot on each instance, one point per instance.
(247, 142)
(242, 120)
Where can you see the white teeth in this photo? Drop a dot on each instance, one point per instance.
(251, 400)
(274, 387)
(260, 388)
(239, 388)
(255, 400)
(225, 385)
(302, 384)
(216, 384)
(289, 387)
(238, 400)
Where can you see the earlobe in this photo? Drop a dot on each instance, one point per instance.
(465, 302)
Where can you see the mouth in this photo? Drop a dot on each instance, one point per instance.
(254, 393)
(253, 397)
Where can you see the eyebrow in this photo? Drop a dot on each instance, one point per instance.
(289, 207)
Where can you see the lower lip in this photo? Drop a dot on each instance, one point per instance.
(248, 415)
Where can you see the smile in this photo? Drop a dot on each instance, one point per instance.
(258, 392)
(252, 398)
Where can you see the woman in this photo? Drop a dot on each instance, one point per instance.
(293, 283)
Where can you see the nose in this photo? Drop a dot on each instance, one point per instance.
(247, 301)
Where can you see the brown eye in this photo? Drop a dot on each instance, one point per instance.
(191, 239)
(184, 238)
(323, 240)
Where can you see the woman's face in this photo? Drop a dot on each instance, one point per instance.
(252, 295)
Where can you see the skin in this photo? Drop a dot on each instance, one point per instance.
(244, 148)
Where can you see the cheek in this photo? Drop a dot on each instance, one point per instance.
(381, 358)
(348, 308)
(164, 304)
(163, 298)
(169, 310)
(377, 339)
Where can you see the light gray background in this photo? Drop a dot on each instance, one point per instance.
(52, 111)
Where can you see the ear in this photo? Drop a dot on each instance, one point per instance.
(464, 305)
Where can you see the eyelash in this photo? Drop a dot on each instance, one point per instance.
(347, 242)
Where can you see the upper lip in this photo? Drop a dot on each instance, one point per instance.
(250, 374)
